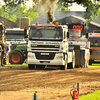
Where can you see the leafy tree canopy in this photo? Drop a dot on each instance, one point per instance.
(13, 3)
(92, 7)
(12, 13)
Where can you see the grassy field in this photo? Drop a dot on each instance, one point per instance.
(92, 96)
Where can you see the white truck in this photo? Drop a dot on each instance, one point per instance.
(82, 43)
(48, 49)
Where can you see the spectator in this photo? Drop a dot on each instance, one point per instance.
(2, 52)
(7, 49)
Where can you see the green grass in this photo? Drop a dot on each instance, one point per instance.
(94, 66)
(24, 64)
(92, 96)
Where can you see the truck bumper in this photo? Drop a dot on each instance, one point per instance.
(58, 60)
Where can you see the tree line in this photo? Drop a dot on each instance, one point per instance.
(17, 8)
(14, 12)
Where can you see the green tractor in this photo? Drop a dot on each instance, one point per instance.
(17, 42)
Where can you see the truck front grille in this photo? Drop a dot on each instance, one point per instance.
(45, 47)
(45, 56)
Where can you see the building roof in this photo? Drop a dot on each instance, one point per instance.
(59, 15)
(7, 22)
(64, 17)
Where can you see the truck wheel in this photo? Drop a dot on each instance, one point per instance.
(90, 62)
(40, 66)
(31, 66)
(72, 64)
(16, 57)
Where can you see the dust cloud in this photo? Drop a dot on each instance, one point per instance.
(46, 7)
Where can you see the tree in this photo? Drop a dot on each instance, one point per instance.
(92, 7)
(13, 3)
(12, 13)
(63, 6)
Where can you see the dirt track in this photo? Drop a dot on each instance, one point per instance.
(20, 83)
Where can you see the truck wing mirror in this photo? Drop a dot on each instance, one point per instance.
(25, 33)
(67, 34)
(87, 35)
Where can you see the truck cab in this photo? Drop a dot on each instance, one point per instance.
(80, 42)
(48, 45)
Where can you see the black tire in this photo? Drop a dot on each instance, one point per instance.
(90, 62)
(40, 66)
(31, 66)
(62, 67)
(16, 57)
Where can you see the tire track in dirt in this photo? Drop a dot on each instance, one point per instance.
(59, 82)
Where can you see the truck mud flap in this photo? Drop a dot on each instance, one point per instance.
(77, 55)
(0, 58)
(82, 58)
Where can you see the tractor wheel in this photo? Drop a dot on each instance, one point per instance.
(16, 57)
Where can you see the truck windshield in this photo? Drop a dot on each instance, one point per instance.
(50, 34)
(74, 33)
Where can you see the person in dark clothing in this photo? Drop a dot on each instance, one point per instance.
(2, 52)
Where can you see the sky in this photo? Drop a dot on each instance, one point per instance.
(75, 6)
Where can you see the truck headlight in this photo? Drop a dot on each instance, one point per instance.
(32, 56)
(57, 57)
